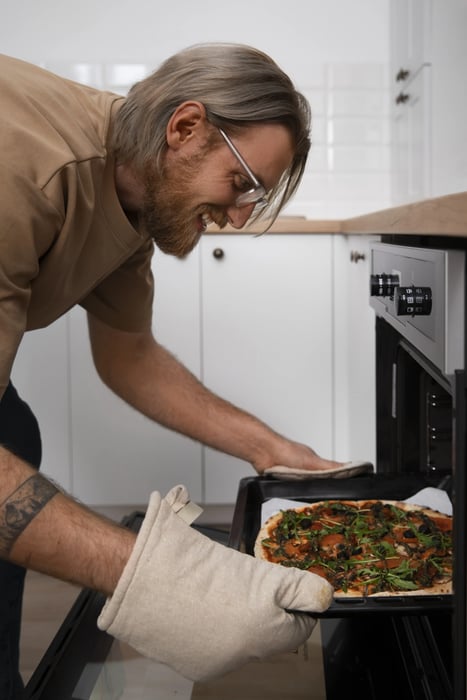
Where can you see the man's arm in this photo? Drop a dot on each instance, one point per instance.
(45, 530)
(150, 379)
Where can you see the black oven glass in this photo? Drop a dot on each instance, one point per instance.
(414, 409)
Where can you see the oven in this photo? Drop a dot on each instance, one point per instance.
(406, 647)
(419, 297)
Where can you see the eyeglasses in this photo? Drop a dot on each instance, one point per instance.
(257, 193)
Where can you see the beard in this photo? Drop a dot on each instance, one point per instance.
(167, 216)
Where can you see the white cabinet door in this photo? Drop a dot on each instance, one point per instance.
(411, 163)
(354, 342)
(40, 374)
(410, 40)
(410, 27)
(267, 328)
(428, 64)
(119, 456)
(449, 96)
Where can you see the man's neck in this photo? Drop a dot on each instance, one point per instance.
(129, 188)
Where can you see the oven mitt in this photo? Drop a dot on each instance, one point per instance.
(347, 470)
(202, 608)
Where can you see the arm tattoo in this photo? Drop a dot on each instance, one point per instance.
(22, 506)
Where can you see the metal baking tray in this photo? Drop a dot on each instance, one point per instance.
(254, 491)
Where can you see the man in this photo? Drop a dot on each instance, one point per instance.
(89, 182)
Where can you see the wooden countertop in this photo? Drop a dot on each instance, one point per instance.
(440, 216)
(285, 224)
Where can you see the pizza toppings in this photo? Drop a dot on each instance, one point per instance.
(364, 547)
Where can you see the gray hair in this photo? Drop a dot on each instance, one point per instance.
(238, 85)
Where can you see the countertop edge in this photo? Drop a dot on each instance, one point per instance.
(284, 224)
(446, 216)
(438, 216)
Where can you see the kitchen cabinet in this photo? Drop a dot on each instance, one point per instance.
(354, 348)
(252, 318)
(410, 29)
(267, 328)
(411, 158)
(118, 455)
(429, 103)
(262, 321)
(41, 375)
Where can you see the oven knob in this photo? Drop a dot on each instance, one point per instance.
(413, 301)
(383, 285)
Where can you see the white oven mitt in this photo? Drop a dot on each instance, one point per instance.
(345, 471)
(203, 608)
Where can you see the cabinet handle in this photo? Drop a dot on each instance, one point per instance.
(402, 98)
(402, 74)
(218, 253)
(355, 256)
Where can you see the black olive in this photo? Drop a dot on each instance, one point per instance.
(424, 529)
(305, 523)
(409, 533)
(343, 554)
(357, 550)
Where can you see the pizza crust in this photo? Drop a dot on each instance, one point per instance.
(271, 523)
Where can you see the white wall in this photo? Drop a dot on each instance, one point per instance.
(336, 51)
(295, 32)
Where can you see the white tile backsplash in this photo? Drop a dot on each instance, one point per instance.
(360, 186)
(318, 130)
(316, 75)
(354, 75)
(359, 130)
(317, 100)
(335, 210)
(318, 158)
(369, 158)
(348, 171)
(87, 73)
(315, 186)
(358, 103)
(124, 74)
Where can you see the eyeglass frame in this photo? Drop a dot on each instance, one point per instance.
(256, 194)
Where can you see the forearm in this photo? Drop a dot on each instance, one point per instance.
(160, 387)
(149, 378)
(46, 530)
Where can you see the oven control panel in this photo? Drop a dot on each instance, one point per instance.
(408, 301)
(421, 293)
(383, 285)
(413, 301)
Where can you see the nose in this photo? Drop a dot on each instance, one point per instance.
(238, 216)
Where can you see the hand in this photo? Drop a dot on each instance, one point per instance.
(202, 608)
(297, 461)
(294, 455)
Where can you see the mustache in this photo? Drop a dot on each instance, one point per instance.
(216, 216)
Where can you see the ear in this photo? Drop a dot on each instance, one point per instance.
(188, 123)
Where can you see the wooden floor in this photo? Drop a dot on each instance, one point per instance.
(46, 603)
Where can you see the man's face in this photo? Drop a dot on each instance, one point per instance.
(201, 183)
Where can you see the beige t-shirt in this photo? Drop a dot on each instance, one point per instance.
(64, 239)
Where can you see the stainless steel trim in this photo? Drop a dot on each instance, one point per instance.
(439, 336)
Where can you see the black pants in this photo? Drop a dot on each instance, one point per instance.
(19, 433)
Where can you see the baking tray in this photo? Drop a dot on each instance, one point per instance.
(254, 491)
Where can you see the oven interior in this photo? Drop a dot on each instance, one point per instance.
(385, 647)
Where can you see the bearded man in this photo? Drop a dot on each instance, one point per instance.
(91, 182)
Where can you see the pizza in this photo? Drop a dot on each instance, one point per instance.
(364, 548)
